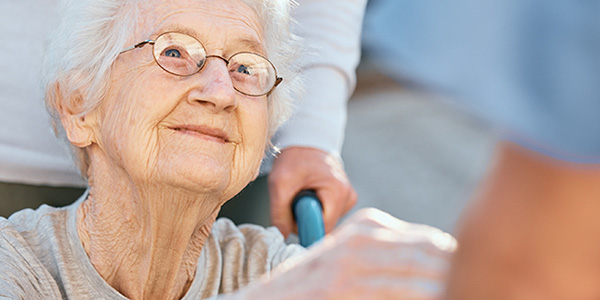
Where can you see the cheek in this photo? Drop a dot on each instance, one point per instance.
(247, 156)
(129, 124)
(254, 130)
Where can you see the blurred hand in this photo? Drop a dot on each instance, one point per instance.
(300, 168)
(371, 256)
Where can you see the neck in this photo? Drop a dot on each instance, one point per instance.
(143, 240)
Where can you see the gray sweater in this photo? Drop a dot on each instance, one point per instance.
(41, 257)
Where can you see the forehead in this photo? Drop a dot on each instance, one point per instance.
(217, 23)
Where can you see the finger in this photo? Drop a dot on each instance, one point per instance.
(352, 200)
(281, 195)
(391, 286)
(331, 207)
(402, 288)
(336, 203)
(389, 266)
(388, 259)
(371, 218)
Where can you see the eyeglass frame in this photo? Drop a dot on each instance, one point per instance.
(141, 44)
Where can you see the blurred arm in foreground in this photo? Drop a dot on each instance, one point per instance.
(372, 255)
(532, 232)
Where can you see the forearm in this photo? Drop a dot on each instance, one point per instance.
(532, 232)
(331, 30)
(320, 119)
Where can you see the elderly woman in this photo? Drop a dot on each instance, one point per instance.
(168, 106)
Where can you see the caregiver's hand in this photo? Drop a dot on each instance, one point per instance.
(300, 168)
(371, 256)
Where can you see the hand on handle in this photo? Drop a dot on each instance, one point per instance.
(308, 214)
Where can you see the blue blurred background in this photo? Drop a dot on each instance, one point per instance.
(441, 82)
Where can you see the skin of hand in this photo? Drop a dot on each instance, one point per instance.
(300, 168)
(372, 255)
(531, 233)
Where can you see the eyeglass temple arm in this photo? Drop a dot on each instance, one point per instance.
(138, 45)
(278, 80)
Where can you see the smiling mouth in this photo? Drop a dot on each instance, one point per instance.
(210, 133)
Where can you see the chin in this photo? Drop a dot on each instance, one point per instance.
(198, 174)
(200, 186)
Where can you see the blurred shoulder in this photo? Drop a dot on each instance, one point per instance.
(22, 274)
(31, 219)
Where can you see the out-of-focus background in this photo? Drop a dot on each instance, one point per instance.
(411, 152)
(530, 68)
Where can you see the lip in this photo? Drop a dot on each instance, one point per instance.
(215, 134)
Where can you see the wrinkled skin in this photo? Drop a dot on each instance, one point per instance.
(370, 256)
(166, 151)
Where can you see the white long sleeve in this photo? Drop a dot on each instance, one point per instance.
(331, 30)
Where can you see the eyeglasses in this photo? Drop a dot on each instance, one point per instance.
(182, 55)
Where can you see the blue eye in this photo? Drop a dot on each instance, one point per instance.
(172, 53)
(243, 69)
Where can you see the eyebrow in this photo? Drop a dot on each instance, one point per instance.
(176, 28)
(252, 45)
(247, 44)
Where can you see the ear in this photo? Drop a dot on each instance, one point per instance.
(78, 127)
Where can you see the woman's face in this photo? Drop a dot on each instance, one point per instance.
(193, 132)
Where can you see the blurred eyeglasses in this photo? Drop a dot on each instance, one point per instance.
(180, 54)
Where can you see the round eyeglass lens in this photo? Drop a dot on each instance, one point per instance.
(179, 53)
(251, 73)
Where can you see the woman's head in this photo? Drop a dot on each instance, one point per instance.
(132, 115)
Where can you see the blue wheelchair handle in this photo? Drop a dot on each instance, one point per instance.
(308, 213)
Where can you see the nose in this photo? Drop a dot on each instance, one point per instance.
(213, 87)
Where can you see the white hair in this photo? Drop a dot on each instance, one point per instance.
(91, 34)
